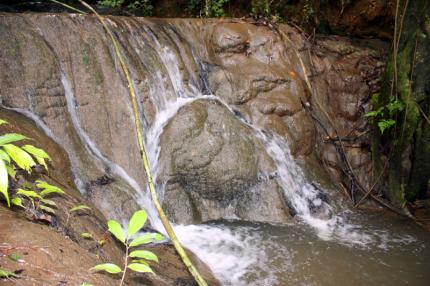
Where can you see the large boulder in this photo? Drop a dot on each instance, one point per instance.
(214, 167)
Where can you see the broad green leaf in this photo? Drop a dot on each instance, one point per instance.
(385, 124)
(47, 209)
(146, 238)
(141, 261)
(108, 267)
(138, 267)
(145, 254)
(48, 188)
(39, 154)
(79, 207)
(11, 170)
(20, 157)
(17, 201)
(11, 137)
(36, 151)
(87, 235)
(6, 274)
(48, 202)
(4, 181)
(4, 156)
(2, 121)
(137, 221)
(116, 229)
(28, 194)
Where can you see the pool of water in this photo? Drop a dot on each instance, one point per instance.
(381, 251)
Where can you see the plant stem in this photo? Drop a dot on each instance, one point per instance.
(125, 264)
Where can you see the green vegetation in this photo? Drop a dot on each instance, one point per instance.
(139, 258)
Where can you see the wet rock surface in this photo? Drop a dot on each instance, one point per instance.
(66, 78)
(57, 253)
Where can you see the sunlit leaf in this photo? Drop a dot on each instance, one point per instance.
(2, 121)
(39, 154)
(4, 181)
(6, 274)
(17, 201)
(137, 221)
(102, 242)
(138, 267)
(20, 157)
(86, 284)
(385, 124)
(87, 235)
(11, 170)
(11, 137)
(79, 207)
(116, 229)
(145, 254)
(108, 267)
(146, 238)
(47, 209)
(48, 188)
(48, 202)
(4, 156)
(28, 194)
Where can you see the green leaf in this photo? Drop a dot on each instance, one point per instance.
(116, 229)
(79, 207)
(28, 194)
(87, 235)
(2, 121)
(141, 261)
(385, 124)
(17, 201)
(11, 137)
(11, 170)
(36, 151)
(142, 268)
(137, 221)
(39, 154)
(47, 209)
(4, 182)
(6, 274)
(48, 202)
(108, 267)
(146, 238)
(145, 254)
(48, 189)
(20, 157)
(4, 156)
(14, 257)
(86, 284)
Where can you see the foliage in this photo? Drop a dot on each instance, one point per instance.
(139, 258)
(37, 196)
(75, 209)
(260, 7)
(208, 8)
(6, 273)
(143, 6)
(383, 116)
(13, 157)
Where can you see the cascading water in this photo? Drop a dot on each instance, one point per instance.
(241, 254)
(322, 246)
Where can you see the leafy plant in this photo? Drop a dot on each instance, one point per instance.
(13, 157)
(383, 115)
(6, 273)
(138, 258)
(75, 209)
(38, 197)
(208, 8)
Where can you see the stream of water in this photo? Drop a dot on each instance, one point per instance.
(324, 247)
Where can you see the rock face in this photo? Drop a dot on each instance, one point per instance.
(61, 71)
(57, 253)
